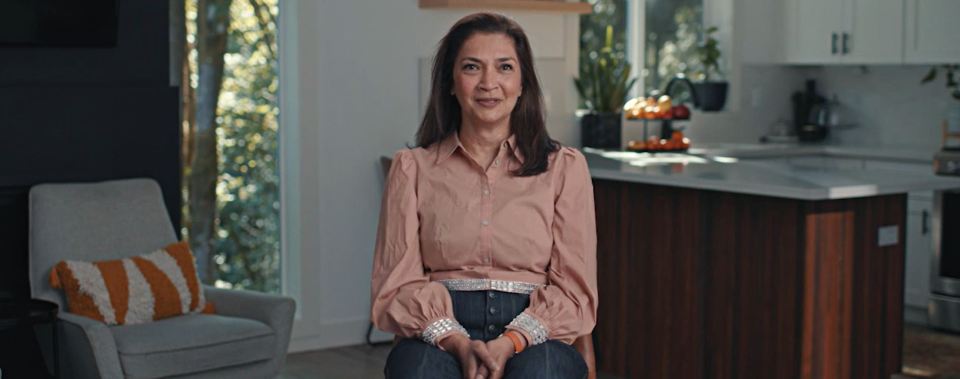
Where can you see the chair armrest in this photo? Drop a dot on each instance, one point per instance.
(584, 345)
(273, 310)
(87, 348)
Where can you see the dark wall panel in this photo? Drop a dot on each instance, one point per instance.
(140, 57)
(13, 228)
(58, 134)
(83, 114)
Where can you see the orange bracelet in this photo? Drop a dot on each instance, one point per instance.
(517, 343)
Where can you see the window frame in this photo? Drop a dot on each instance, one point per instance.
(290, 169)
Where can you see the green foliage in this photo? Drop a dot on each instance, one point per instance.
(248, 192)
(594, 37)
(247, 244)
(709, 53)
(951, 70)
(605, 79)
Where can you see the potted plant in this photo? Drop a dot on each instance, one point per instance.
(953, 112)
(603, 86)
(711, 93)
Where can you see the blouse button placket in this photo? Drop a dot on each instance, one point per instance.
(486, 212)
(486, 209)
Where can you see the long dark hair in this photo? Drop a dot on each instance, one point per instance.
(527, 118)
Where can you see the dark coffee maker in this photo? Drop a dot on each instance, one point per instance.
(806, 106)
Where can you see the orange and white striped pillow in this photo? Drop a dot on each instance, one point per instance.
(134, 290)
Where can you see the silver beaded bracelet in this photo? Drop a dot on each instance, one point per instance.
(532, 327)
(439, 328)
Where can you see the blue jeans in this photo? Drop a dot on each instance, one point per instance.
(485, 314)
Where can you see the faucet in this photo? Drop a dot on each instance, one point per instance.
(666, 130)
(681, 78)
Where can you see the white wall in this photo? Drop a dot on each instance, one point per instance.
(354, 96)
(761, 97)
(893, 108)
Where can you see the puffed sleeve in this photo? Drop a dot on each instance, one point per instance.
(404, 301)
(567, 306)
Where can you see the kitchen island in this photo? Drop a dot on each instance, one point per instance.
(752, 263)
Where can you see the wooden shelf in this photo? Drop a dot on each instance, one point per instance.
(532, 5)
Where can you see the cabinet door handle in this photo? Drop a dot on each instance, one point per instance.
(924, 223)
(845, 43)
(833, 43)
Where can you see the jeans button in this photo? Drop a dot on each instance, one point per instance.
(491, 294)
(493, 310)
(492, 328)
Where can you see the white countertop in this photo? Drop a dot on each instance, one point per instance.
(794, 149)
(779, 170)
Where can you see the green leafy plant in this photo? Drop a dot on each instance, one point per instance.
(951, 71)
(708, 53)
(604, 82)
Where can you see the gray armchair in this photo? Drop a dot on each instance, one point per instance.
(246, 338)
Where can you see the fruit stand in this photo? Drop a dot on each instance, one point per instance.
(659, 110)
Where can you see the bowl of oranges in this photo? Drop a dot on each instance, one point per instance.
(676, 143)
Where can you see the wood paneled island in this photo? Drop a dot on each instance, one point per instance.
(710, 278)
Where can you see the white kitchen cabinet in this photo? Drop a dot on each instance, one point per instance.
(919, 249)
(931, 31)
(875, 32)
(844, 31)
(812, 28)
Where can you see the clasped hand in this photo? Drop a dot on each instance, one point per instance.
(480, 360)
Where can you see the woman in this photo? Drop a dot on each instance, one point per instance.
(486, 250)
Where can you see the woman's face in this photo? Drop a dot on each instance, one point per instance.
(486, 78)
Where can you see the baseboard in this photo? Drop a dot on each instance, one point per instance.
(915, 315)
(336, 334)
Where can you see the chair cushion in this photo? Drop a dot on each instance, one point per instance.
(191, 343)
(133, 290)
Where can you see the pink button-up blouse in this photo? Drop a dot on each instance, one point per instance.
(447, 223)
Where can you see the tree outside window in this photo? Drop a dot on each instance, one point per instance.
(230, 141)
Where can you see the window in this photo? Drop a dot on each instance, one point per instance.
(593, 29)
(672, 29)
(233, 227)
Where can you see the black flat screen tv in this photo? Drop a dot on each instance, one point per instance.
(58, 23)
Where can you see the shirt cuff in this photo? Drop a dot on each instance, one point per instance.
(440, 328)
(535, 331)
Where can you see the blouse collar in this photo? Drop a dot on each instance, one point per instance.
(452, 142)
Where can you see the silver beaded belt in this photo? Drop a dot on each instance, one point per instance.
(489, 285)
